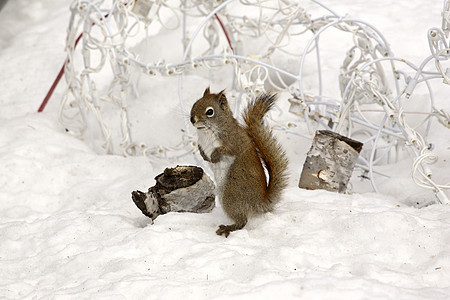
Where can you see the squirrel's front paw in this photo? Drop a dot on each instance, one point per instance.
(215, 157)
(225, 230)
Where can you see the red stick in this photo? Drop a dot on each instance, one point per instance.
(224, 31)
(55, 83)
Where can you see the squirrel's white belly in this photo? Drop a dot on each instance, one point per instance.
(208, 140)
(220, 170)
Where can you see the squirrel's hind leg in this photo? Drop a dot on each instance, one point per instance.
(226, 229)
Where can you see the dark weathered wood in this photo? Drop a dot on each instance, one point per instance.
(330, 161)
(147, 203)
(179, 189)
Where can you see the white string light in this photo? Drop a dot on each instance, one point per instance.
(107, 26)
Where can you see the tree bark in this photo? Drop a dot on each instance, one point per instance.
(330, 161)
(179, 189)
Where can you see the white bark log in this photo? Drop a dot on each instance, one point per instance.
(330, 161)
(179, 189)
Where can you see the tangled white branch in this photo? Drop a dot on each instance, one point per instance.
(370, 80)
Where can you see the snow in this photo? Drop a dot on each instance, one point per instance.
(69, 229)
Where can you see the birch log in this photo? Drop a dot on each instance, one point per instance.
(179, 189)
(330, 161)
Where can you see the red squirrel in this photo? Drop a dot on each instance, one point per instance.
(238, 154)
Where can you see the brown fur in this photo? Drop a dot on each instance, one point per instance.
(237, 155)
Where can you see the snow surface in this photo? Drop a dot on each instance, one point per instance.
(68, 227)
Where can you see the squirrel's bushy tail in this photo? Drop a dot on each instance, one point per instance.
(271, 152)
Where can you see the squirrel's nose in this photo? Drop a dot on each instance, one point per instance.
(192, 120)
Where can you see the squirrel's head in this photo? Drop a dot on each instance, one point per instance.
(210, 110)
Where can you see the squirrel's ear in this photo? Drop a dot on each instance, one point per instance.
(207, 92)
(222, 99)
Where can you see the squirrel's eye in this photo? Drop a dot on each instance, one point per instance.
(209, 112)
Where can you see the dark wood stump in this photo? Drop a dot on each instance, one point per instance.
(330, 161)
(179, 189)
